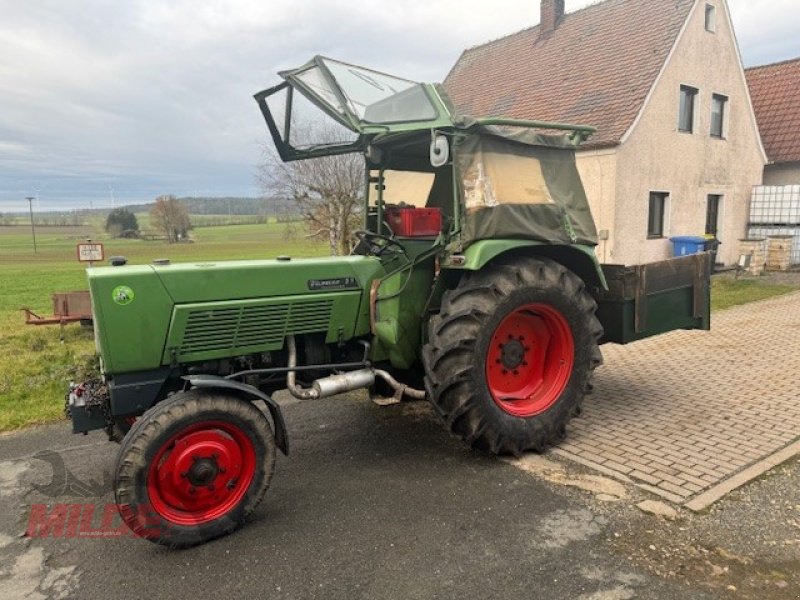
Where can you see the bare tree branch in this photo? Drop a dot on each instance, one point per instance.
(328, 191)
(170, 216)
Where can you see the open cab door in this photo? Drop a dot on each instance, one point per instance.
(329, 107)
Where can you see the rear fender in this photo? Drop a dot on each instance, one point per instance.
(579, 259)
(213, 382)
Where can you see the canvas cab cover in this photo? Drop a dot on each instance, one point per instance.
(517, 183)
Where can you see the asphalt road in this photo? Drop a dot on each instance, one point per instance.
(373, 503)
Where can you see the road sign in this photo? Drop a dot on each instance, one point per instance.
(90, 252)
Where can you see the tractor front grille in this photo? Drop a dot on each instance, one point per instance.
(249, 327)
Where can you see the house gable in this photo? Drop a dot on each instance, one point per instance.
(690, 167)
(723, 27)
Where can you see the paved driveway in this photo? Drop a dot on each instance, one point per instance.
(691, 415)
(373, 504)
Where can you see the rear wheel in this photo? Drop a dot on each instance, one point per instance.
(193, 468)
(511, 354)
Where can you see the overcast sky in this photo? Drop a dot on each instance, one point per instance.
(135, 98)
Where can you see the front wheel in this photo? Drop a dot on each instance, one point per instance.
(193, 468)
(120, 427)
(510, 356)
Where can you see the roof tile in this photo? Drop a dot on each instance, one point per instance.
(775, 91)
(595, 69)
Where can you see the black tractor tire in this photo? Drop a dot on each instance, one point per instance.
(119, 429)
(459, 337)
(192, 423)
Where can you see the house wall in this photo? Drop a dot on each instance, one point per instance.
(598, 170)
(657, 157)
(782, 174)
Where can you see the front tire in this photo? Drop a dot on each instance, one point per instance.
(193, 467)
(120, 428)
(510, 356)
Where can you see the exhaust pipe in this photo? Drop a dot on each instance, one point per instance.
(291, 379)
(341, 382)
(399, 387)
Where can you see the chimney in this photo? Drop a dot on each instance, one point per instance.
(552, 12)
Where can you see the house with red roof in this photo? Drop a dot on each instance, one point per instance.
(775, 90)
(677, 149)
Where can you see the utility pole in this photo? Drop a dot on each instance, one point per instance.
(30, 200)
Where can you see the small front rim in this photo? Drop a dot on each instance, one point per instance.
(201, 473)
(530, 360)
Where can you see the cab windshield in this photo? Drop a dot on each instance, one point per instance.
(368, 95)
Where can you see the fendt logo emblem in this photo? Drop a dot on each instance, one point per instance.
(340, 283)
(122, 295)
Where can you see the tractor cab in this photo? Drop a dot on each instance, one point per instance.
(441, 189)
(430, 170)
(328, 107)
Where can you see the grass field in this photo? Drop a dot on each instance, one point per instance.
(727, 292)
(35, 364)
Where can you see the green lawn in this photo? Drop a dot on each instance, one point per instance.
(727, 292)
(35, 365)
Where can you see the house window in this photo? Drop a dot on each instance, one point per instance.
(712, 214)
(686, 116)
(718, 105)
(656, 213)
(711, 18)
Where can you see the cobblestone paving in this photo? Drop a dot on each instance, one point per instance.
(687, 411)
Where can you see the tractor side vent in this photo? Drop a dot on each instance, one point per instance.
(251, 326)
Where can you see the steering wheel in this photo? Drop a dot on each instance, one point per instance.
(377, 244)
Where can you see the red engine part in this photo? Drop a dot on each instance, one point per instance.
(414, 222)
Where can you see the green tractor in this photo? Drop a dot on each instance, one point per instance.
(473, 284)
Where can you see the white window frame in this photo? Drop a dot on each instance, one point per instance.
(723, 126)
(665, 214)
(711, 18)
(694, 97)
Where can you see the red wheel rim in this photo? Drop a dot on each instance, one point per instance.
(530, 360)
(201, 473)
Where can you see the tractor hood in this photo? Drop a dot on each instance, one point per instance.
(352, 104)
(147, 316)
(233, 280)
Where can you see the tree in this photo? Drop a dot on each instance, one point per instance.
(171, 218)
(121, 220)
(327, 191)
